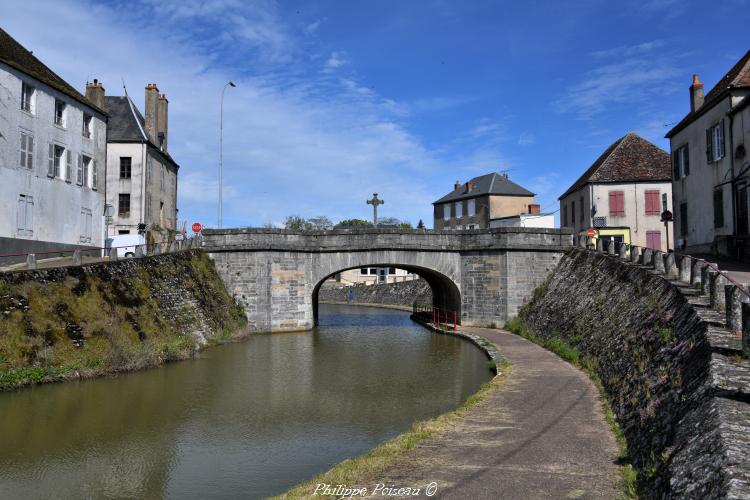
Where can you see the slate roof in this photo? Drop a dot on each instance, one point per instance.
(736, 78)
(17, 56)
(492, 184)
(123, 122)
(630, 158)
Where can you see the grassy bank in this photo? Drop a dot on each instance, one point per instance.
(573, 356)
(94, 320)
(365, 468)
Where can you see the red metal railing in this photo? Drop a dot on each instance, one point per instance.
(436, 315)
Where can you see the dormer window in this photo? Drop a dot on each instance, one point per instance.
(60, 112)
(28, 94)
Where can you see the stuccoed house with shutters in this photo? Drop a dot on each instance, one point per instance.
(484, 202)
(52, 158)
(141, 174)
(621, 195)
(709, 151)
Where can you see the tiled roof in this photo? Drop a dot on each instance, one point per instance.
(16, 56)
(737, 77)
(630, 158)
(123, 124)
(493, 184)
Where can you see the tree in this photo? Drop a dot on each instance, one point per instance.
(297, 223)
(394, 222)
(320, 223)
(420, 224)
(353, 223)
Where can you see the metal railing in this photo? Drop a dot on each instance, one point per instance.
(436, 315)
(89, 255)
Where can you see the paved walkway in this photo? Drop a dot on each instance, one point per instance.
(541, 435)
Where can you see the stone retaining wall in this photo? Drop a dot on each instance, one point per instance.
(671, 369)
(399, 294)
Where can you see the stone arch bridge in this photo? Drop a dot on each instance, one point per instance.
(484, 275)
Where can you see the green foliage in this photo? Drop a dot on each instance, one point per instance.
(666, 335)
(353, 223)
(297, 223)
(420, 224)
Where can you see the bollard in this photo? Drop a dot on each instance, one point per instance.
(582, 241)
(112, 254)
(156, 250)
(623, 251)
(31, 261)
(705, 271)
(77, 260)
(659, 262)
(695, 272)
(716, 284)
(734, 298)
(173, 247)
(670, 266)
(611, 248)
(599, 245)
(746, 330)
(139, 251)
(648, 257)
(685, 265)
(635, 254)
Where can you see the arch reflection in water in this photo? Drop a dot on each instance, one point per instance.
(244, 420)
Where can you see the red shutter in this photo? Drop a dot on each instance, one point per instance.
(616, 203)
(612, 203)
(652, 202)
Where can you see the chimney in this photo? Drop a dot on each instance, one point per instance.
(152, 97)
(534, 208)
(696, 94)
(95, 93)
(469, 186)
(457, 185)
(162, 116)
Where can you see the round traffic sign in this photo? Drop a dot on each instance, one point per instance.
(591, 232)
(197, 227)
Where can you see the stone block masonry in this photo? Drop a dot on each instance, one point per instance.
(84, 321)
(674, 375)
(396, 294)
(482, 275)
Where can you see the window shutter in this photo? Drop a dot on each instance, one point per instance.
(709, 152)
(612, 203)
(93, 174)
(21, 215)
(21, 151)
(29, 152)
(79, 171)
(686, 154)
(721, 131)
(621, 202)
(675, 165)
(29, 215)
(68, 165)
(51, 165)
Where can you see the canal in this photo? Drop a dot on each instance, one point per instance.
(246, 420)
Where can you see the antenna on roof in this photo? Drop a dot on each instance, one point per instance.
(504, 173)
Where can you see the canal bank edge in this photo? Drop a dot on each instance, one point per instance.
(361, 469)
(87, 321)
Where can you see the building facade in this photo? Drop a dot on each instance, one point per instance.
(533, 219)
(622, 195)
(474, 204)
(142, 176)
(52, 158)
(374, 276)
(710, 166)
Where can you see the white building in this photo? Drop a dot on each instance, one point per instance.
(374, 276)
(710, 182)
(621, 195)
(540, 220)
(52, 158)
(142, 176)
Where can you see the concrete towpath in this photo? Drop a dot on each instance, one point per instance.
(542, 434)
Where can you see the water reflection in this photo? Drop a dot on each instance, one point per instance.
(245, 420)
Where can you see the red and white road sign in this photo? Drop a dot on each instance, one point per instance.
(591, 232)
(197, 227)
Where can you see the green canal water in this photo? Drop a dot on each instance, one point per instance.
(245, 420)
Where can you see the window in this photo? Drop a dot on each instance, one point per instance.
(55, 160)
(27, 151)
(148, 206)
(125, 167)
(459, 209)
(652, 202)
(60, 112)
(25, 215)
(94, 175)
(123, 231)
(572, 213)
(565, 215)
(447, 211)
(715, 142)
(719, 208)
(28, 95)
(653, 240)
(86, 225)
(68, 165)
(79, 171)
(616, 203)
(123, 204)
(363, 271)
(471, 207)
(87, 122)
(391, 270)
(581, 216)
(683, 220)
(86, 171)
(681, 162)
(373, 271)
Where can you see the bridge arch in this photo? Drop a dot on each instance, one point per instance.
(445, 292)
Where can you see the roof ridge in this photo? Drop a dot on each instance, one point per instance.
(492, 182)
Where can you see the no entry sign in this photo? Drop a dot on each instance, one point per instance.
(591, 232)
(197, 227)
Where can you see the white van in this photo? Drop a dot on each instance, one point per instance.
(125, 244)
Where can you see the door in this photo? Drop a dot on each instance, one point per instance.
(653, 240)
(742, 222)
(382, 275)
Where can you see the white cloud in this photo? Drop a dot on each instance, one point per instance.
(630, 50)
(335, 61)
(526, 139)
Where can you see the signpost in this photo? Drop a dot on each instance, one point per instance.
(197, 228)
(666, 216)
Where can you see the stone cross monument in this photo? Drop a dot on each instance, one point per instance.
(375, 202)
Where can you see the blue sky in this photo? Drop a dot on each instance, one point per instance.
(337, 100)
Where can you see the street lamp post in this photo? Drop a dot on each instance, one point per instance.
(221, 145)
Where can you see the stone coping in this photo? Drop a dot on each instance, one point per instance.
(373, 230)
